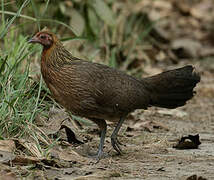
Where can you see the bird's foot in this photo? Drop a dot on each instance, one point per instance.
(98, 156)
(116, 145)
(120, 142)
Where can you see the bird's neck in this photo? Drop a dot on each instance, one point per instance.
(46, 53)
(55, 55)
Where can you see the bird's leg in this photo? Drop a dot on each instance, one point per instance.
(102, 139)
(114, 141)
(103, 126)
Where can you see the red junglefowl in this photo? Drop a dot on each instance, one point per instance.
(100, 93)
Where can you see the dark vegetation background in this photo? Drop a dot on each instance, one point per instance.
(141, 37)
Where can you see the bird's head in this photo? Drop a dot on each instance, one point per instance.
(46, 38)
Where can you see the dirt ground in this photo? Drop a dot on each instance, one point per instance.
(148, 138)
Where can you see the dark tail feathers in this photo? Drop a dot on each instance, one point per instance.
(173, 88)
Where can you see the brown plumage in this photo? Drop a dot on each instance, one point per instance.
(101, 93)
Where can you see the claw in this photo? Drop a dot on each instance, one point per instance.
(99, 155)
(119, 142)
(115, 144)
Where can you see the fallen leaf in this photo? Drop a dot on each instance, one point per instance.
(56, 118)
(25, 160)
(30, 147)
(6, 157)
(195, 177)
(70, 135)
(188, 142)
(186, 48)
(7, 175)
(172, 112)
(147, 125)
(7, 145)
(69, 154)
(7, 148)
(203, 10)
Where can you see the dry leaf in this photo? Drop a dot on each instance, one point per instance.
(68, 154)
(148, 126)
(31, 147)
(172, 112)
(25, 160)
(188, 142)
(6, 157)
(7, 145)
(195, 177)
(7, 175)
(203, 10)
(70, 135)
(186, 48)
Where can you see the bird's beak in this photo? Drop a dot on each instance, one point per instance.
(34, 40)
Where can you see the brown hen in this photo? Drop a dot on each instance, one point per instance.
(101, 93)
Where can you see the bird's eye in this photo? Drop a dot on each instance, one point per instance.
(42, 36)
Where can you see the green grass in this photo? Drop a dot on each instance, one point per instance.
(19, 101)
